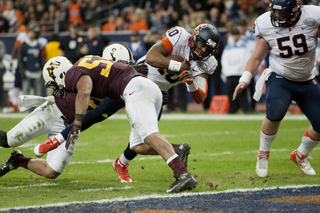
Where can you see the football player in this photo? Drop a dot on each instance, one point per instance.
(51, 117)
(197, 50)
(96, 77)
(289, 32)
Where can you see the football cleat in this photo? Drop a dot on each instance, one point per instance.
(183, 150)
(43, 148)
(302, 162)
(183, 182)
(262, 164)
(10, 164)
(122, 170)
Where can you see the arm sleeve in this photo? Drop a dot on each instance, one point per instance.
(104, 110)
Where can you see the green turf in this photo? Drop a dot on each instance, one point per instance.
(223, 156)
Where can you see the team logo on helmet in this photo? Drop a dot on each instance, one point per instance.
(52, 66)
(211, 43)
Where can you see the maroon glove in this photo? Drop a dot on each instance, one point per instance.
(73, 135)
(141, 68)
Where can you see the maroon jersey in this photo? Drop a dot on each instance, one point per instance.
(109, 78)
(67, 108)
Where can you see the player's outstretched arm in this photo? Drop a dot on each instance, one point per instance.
(252, 65)
(103, 111)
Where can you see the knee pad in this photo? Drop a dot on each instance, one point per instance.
(3, 139)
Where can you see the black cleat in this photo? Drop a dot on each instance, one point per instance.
(183, 182)
(183, 150)
(10, 164)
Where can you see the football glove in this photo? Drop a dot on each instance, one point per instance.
(73, 136)
(141, 68)
(186, 77)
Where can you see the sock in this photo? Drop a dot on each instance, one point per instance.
(266, 141)
(129, 154)
(22, 161)
(3, 139)
(176, 165)
(59, 138)
(124, 160)
(307, 144)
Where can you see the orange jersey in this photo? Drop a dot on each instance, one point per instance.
(74, 14)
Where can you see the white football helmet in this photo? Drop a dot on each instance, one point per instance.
(54, 72)
(118, 53)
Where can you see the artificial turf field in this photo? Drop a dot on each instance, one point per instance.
(223, 158)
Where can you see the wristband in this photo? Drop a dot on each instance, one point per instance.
(174, 66)
(79, 117)
(246, 77)
(191, 87)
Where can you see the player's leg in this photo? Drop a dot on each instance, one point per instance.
(38, 122)
(42, 120)
(309, 102)
(278, 100)
(57, 159)
(104, 110)
(143, 101)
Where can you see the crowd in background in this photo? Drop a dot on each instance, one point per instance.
(127, 15)
(99, 17)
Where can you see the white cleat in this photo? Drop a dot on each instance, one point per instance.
(302, 162)
(262, 164)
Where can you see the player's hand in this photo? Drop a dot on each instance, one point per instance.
(141, 68)
(73, 136)
(241, 86)
(185, 65)
(186, 77)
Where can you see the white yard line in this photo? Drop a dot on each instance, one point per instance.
(29, 186)
(159, 196)
(106, 189)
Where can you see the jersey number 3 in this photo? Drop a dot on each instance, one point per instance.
(299, 42)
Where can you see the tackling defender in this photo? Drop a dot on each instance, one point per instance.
(51, 117)
(96, 77)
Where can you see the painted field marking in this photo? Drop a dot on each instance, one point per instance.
(157, 196)
(106, 189)
(28, 186)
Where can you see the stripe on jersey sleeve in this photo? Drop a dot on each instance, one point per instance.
(167, 44)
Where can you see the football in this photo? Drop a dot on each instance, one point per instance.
(176, 58)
